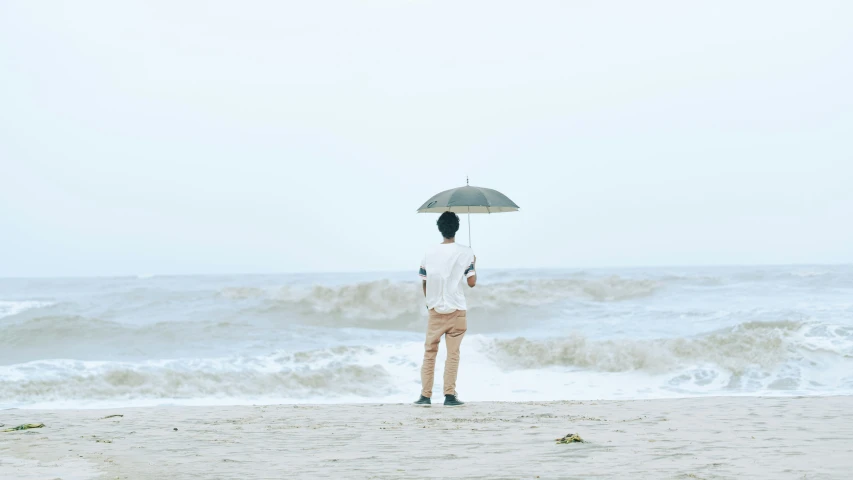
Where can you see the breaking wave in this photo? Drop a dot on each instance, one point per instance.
(8, 309)
(381, 304)
(764, 344)
(754, 356)
(327, 373)
(387, 304)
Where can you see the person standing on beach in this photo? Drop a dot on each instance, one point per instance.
(442, 270)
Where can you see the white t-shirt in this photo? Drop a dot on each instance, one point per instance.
(443, 268)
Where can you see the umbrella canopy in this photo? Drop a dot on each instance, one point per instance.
(469, 199)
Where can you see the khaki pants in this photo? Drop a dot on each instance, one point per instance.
(452, 326)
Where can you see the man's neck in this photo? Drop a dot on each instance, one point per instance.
(449, 240)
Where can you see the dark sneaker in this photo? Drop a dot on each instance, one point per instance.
(452, 401)
(423, 401)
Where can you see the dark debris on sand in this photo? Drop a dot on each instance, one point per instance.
(571, 438)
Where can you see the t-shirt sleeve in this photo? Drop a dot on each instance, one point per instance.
(469, 269)
(422, 272)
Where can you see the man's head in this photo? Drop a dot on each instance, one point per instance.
(448, 224)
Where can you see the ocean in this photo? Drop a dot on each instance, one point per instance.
(341, 338)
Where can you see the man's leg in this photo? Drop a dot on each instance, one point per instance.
(433, 337)
(453, 339)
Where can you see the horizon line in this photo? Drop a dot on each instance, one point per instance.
(143, 276)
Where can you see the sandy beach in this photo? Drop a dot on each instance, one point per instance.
(698, 438)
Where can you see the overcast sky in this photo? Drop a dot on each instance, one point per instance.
(260, 137)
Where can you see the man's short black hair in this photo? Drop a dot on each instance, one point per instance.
(448, 224)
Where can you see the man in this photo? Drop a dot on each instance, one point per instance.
(442, 270)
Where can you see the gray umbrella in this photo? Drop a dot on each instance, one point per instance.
(469, 200)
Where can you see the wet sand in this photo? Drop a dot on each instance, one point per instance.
(699, 438)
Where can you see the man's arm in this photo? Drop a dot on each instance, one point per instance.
(471, 273)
